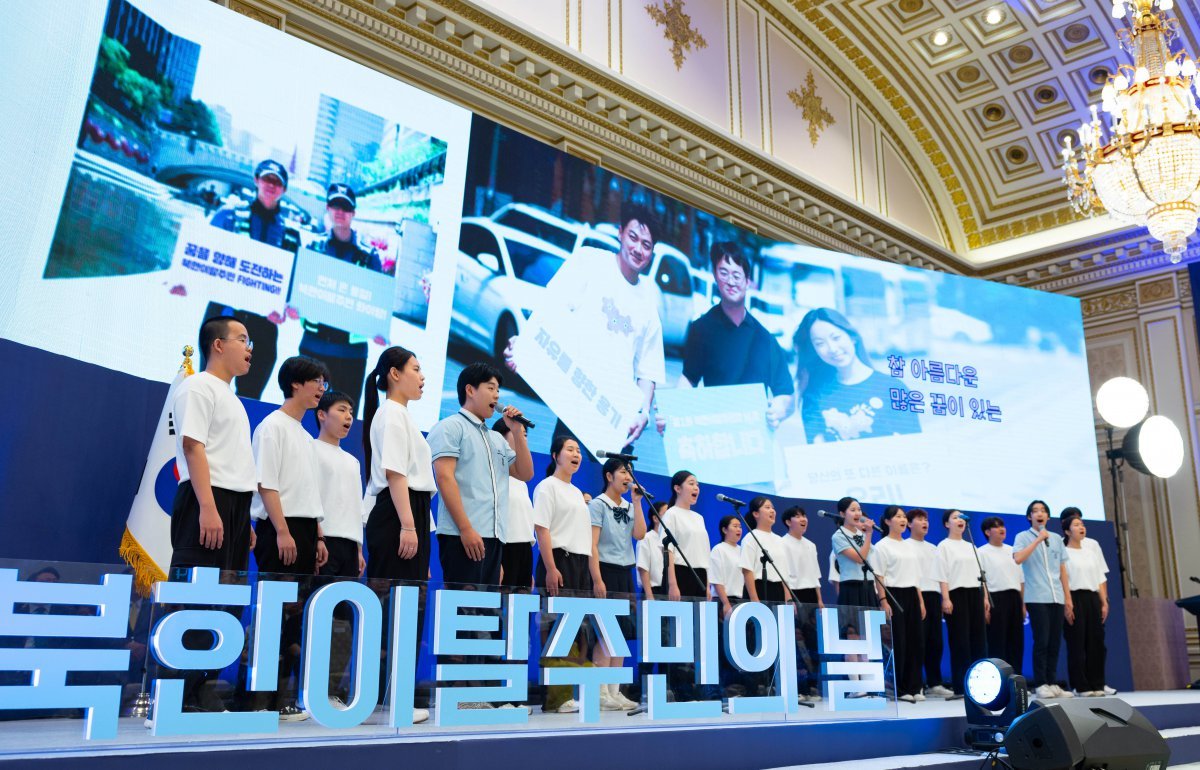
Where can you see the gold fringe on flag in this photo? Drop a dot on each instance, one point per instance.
(145, 572)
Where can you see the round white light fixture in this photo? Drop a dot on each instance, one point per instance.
(1154, 446)
(993, 16)
(985, 683)
(940, 38)
(1122, 402)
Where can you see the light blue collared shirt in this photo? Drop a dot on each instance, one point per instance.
(616, 537)
(481, 472)
(1043, 568)
(848, 568)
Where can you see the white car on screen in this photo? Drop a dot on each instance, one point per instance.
(564, 234)
(502, 274)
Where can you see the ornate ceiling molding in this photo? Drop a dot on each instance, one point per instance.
(478, 60)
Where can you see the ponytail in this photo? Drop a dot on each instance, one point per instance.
(394, 357)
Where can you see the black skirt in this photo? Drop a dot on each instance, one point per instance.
(618, 583)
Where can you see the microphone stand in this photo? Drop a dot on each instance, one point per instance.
(766, 559)
(867, 568)
(667, 539)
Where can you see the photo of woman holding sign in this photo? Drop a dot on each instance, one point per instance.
(843, 396)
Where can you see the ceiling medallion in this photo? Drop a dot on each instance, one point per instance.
(677, 27)
(1144, 167)
(812, 108)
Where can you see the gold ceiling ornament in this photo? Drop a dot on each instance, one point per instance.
(1144, 166)
(677, 27)
(812, 108)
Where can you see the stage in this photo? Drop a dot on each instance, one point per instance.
(815, 738)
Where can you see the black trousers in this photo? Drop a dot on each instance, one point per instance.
(965, 629)
(266, 549)
(343, 557)
(458, 568)
(1046, 623)
(1086, 652)
(517, 562)
(687, 581)
(265, 336)
(856, 593)
(771, 592)
(234, 509)
(806, 625)
(931, 638)
(906, 640)
(1006, 629)
(383, 538)
(574, 568)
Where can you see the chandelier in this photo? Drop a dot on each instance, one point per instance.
(1142, 162)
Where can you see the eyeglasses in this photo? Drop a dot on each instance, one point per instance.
(249, 343)
(324, 386)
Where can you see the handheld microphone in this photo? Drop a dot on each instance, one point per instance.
(519, 418)
(964, 517)
(727, 499)
(616, 456)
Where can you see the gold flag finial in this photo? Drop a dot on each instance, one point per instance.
(186, 366)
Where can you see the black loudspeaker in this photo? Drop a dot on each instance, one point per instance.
(1085, 733)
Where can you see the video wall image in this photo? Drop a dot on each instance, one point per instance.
(182, 161)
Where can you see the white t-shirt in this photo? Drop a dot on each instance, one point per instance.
(341, 491)
(650, 556)
(688, 528)
(559, 507)
(752, 556)
(206, 410)
(834, 576)
(956, 562)
(520, 513)
(804, 569)
(725, 570)
(613, 317)
(898, 562)
(283, 454)
(397, 446)
(931, 577)
(1002, 571)
(1086, 566)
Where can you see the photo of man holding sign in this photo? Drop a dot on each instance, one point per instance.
(263, 221)
(344, 353)
(613, 359)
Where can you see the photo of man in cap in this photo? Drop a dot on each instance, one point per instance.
(345, 354)
(262, 220)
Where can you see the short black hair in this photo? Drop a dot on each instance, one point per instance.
(728, 250)
(211, 330)
(725, 522)
(633, 212)
(332, 397)
(793, 512)
(298, 370)
(501, 427)
(1071, 512)
(918, 513)
(991, 522)
(947, 514)
(475, 375)
(1029, 508)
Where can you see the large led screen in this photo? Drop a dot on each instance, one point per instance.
(165, 161)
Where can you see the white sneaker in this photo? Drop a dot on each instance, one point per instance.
(919, 697)
(1045, 692)
(337, 702)
(1063, 693)
(528, 709)
(420, 715)
(1108, 691)
(619, 697)
(608, 704)
(938, 691)
(570, 707)
(908, 698)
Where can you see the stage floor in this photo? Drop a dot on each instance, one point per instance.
(816, 738)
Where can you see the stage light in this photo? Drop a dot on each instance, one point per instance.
(1122, 402)
(995, 696)
(1096, 732)
(1154, 446)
